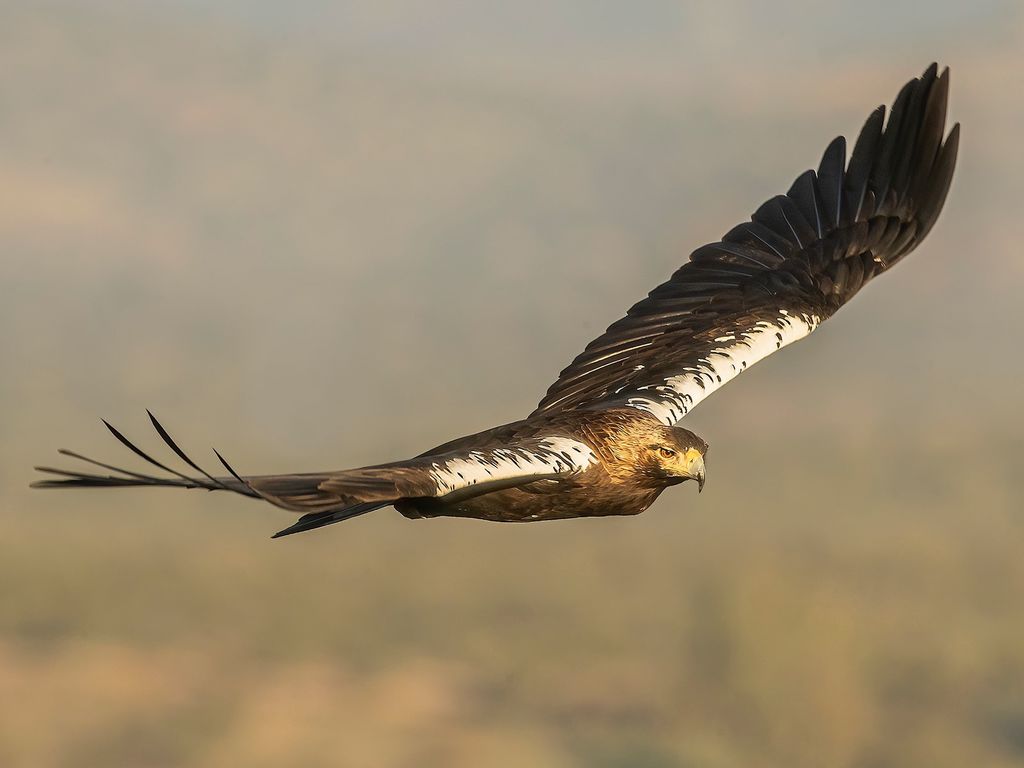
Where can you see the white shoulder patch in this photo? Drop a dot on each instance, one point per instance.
(670, 401)
(503, 467)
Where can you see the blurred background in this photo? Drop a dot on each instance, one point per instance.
(320, 235)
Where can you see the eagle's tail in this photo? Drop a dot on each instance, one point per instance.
(294, 492)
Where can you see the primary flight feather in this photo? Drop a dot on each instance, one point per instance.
(605, 439)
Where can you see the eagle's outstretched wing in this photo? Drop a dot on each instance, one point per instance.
(774, 279)
(461, 469)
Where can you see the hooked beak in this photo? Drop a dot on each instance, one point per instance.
(695, 468)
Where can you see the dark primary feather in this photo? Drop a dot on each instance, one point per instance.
(294, 492)
(806, 252)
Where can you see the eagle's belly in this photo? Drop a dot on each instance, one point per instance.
(543, 500)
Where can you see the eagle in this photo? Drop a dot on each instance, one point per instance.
(607, 438)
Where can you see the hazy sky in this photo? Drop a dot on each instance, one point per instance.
(320, 234)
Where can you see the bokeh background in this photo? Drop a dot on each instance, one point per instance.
(320, 235)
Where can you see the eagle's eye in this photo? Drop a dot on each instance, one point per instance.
(668, 453)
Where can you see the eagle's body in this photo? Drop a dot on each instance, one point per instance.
(615, 473)
(605, 438)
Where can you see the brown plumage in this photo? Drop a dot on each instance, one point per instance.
(604, 440)
(637, 458)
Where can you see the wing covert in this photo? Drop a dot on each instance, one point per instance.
(464, 472)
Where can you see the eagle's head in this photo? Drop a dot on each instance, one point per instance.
(675, 455)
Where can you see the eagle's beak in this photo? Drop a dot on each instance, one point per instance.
(695, 468)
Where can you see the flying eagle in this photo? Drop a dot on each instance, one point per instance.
(606, 438)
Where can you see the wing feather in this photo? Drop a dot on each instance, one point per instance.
(463, 472)
(505, 457)
(775, 278)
